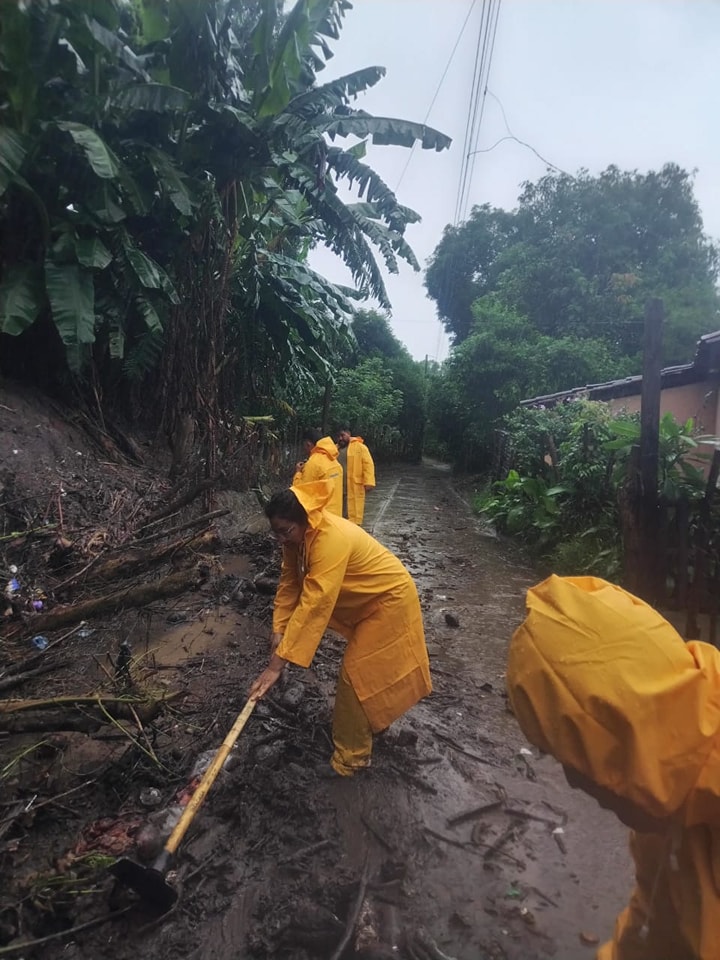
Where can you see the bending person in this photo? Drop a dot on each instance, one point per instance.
(336, 575)
(600, 680)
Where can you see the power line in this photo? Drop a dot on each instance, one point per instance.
(481, 72)
(437, 90)
(511, 136)
(472, 110)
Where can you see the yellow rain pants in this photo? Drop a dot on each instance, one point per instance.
(351, 731)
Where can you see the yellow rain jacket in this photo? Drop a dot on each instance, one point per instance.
(360, 474)
(342, 578)
(600, 680)
(322, 464)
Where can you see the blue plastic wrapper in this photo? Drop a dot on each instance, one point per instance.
(40, 642)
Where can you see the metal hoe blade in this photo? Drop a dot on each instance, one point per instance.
(148, 882)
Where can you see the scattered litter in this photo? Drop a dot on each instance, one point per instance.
(558, 838)
(84, 634)
(589, 939)
(40, 642)
(150, 797)
(524, 752)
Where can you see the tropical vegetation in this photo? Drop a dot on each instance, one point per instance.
(165, 166)
(571, 465)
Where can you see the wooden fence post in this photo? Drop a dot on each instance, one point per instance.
(648, 506)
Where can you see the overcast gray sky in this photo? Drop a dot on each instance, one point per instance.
(587, 83)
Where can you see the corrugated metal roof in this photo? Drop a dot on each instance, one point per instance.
(630, 386)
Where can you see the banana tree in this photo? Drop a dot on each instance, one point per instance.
(165, 165)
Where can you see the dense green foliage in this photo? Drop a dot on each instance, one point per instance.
(552, 296)
(379, 391)
(569, 465)
(164, 167)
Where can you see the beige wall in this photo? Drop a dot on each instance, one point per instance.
(701, 401)
(696, 400)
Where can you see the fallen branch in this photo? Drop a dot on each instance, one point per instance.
(354, 913)
(31, 944)
(134, 596)
(197, 522)
(92, 699)
(133, 560)
(468, 847)
(182, 501)
(19, 678)
(475, 812)
(466, 753)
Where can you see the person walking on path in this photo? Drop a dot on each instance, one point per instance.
(321, 464)
(600, 680)
(359, 473)
(336, 575)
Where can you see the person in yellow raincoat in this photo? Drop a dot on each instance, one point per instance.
(359, 474)
(336, 575)
(600, 680)
(321, 464)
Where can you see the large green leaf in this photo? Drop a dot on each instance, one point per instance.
(20, 298)
(172, 182)
(98, 154)
(71, 293)
(110, 42)
(150, 315)
(149, 273)
(336, 93)
(153, 97)
(92, 252)
(12, 154)
(387, 131)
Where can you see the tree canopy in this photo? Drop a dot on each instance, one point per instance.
(580, 256)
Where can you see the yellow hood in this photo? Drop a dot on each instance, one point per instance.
(600, 680)
(326, 446)
(314, 498)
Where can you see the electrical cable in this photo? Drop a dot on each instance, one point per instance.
(523, 143)
(471, 114)
(488, 51)
(437, 90)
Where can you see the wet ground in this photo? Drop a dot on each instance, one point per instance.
(457, 841)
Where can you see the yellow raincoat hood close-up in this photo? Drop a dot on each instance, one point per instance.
(327, 447)
(314, 498)
(603, 682)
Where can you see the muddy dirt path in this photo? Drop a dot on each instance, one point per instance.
(281, 863)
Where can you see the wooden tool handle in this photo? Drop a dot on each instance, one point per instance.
(201, 791)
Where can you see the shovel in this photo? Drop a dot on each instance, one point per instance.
(150, 882)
